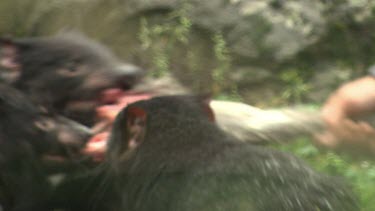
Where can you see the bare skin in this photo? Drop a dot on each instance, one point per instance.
(344, 114)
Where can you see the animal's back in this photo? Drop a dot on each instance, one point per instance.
(232, 176)
(182, 161)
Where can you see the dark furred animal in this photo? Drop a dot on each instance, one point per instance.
(166, 154)
(30, 140)
(66, 72)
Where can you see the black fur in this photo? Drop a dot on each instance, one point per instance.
(187, 163)
(28, 135)
(56, 71)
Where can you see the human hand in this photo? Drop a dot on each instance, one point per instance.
(352, 137)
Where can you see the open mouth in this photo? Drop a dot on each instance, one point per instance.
(111, 102)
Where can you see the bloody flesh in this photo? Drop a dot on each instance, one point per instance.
(113, 101)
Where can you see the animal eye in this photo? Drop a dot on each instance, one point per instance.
(70, 69)
(45, 124)
(72, 66)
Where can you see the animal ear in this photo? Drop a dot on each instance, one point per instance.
(204, 101)
(8, 56)
(135, 126)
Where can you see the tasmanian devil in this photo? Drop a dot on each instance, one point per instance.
(66, 72)
(31, 142)
(166, 154)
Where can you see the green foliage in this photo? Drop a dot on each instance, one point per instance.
(296, 87)
(173, 34)
(159, 39)
(223, 62)
(232, 96)
(361, 174)
(220, 73)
